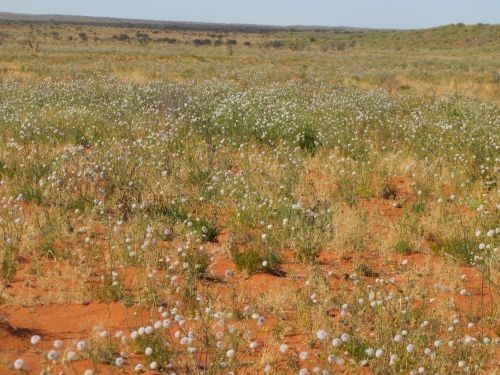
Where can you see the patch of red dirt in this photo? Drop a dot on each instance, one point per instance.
(66, 322)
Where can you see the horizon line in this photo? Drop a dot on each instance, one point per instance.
(256, 25)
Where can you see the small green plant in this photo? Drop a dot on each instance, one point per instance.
(348, 191)
(174, 211)
(403, 247)
(248, 261)
(48, 232)
(309, 248)
(461, 248)
(3, 167)
(356, 348)
(47, 248)
(33, 195)
(81, 204)
(156, 343)
(419, 207)
(102, 351)
(110, 287)
(408, 230)
(9, 262)
(198, 261)
(208, 230)
(253, 261)
(309, 140)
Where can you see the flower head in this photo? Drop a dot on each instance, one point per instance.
(19, 364)
(35, 339)
(321, 335)
(52, 355)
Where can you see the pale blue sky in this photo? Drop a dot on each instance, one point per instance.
(365, 13)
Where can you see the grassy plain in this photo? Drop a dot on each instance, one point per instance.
(286, 202)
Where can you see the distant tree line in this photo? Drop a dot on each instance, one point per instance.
(144, 38)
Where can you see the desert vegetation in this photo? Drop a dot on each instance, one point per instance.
(216, 202)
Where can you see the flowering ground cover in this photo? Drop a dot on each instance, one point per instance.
(325, 204)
